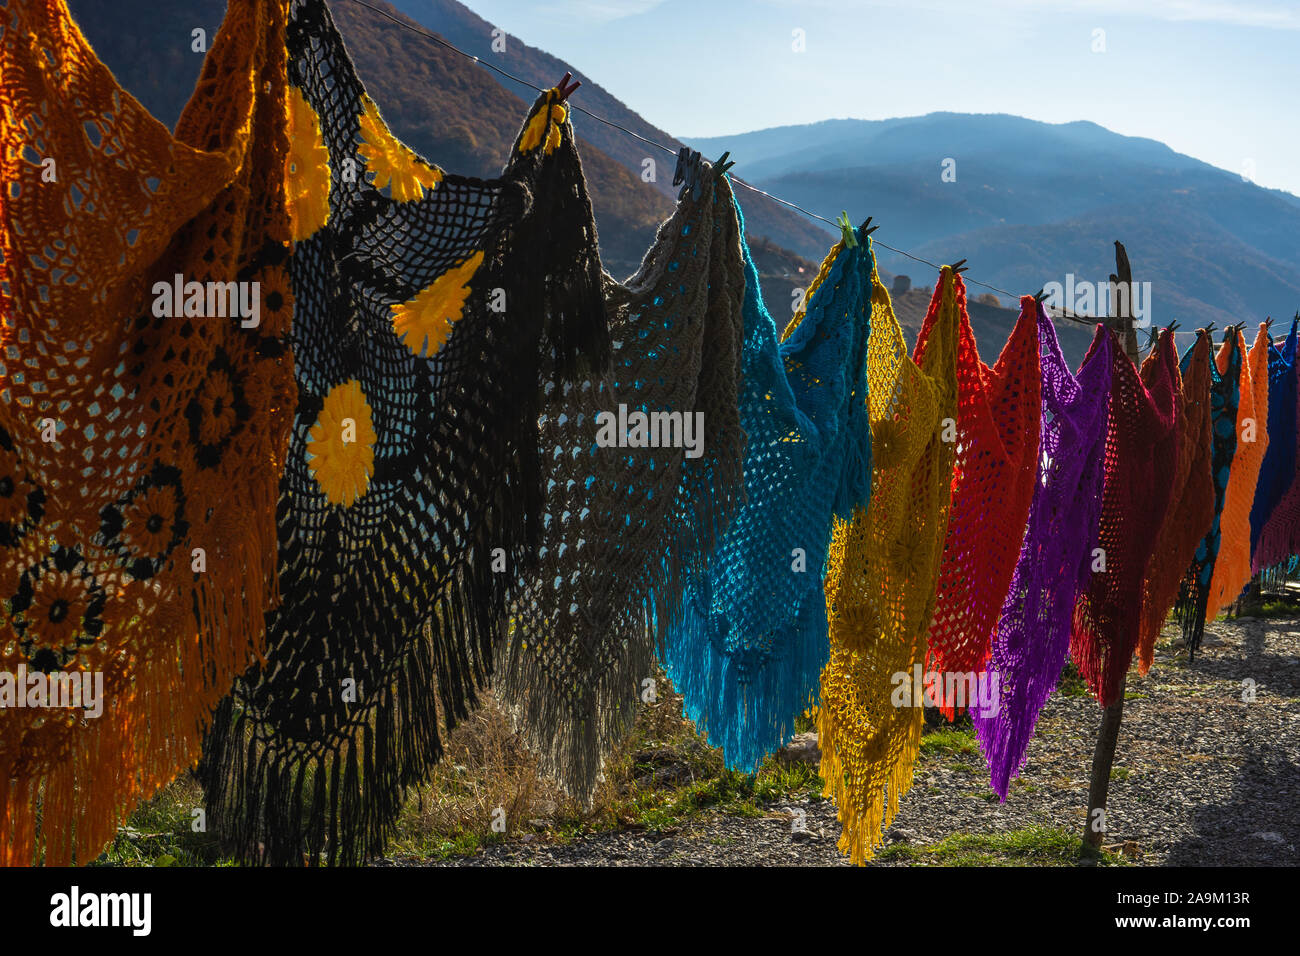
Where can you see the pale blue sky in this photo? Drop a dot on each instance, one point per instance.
(1216, 79)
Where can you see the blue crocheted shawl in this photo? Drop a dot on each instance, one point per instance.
(1278, 468)
(751, 640)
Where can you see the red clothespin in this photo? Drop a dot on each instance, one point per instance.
(564, 88)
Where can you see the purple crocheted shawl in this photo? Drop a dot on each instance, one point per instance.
(1033, 634)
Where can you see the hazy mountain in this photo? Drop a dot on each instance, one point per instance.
(1034, 201)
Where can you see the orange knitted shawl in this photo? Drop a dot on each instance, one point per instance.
(141, 452)
(1232, 567)
(1191, 497)
(996, 442)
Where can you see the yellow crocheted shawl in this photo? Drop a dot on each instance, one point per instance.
(880, 581)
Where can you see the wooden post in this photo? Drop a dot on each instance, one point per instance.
(1108, 733)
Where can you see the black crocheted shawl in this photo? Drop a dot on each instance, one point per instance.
(413, 486)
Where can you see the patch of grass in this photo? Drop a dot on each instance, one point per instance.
(1119, 773)
(949, 740)
(1279, 608)
(778, 780)
(465, 844)
(1258, 604)
(1031, 846)
(1071, 683)
(729, 791)
(486, 779)
(161, 833)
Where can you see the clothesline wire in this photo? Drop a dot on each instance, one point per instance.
(1082, 320)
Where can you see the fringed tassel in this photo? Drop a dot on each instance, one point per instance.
(748, 715)
(571, 731)
(281, 803)
(888, 778)
(1191, 608)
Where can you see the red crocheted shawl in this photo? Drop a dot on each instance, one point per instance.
(1191, 500)
(1140, 468)
(996, 443)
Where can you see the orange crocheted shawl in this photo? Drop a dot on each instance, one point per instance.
(1232, 567)
(140, 448)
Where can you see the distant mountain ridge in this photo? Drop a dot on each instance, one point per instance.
(1034, 201)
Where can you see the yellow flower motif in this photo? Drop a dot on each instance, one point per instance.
(341, 445)
(538, 127)
(390, 161)
(306, 169)
(424, 323)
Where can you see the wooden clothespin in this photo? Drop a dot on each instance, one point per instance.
(564, 88)
(958, 267)
(864, 230)
(723, 164)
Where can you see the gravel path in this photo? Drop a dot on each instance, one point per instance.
(1201, 778)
